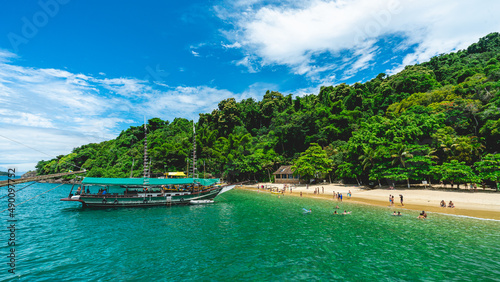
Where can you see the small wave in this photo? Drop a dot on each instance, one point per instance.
(466, 216)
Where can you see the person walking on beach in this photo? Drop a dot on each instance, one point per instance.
(301, 193)
(390, 200)
(323, 190)
(401, 198)
(393, 200)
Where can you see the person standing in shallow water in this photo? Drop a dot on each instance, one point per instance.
(401, 198)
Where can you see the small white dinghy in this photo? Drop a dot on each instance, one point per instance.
(201, 202)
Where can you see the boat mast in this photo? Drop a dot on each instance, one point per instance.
(194, 152)
(145, 173)
(132, 168)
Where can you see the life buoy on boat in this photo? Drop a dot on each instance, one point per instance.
(104, 201)
(182, 199)
(145, 201)
(115, 202)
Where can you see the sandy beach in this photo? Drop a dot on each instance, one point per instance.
(480, 204)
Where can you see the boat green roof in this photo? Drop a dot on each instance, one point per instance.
(152, 181)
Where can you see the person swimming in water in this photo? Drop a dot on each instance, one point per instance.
(422, 215)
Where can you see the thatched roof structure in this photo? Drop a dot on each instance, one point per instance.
(284, 169)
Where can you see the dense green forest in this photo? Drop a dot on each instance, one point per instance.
(435, 121)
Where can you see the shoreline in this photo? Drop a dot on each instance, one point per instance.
(480, 204)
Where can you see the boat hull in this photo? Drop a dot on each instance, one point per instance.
(144, 199)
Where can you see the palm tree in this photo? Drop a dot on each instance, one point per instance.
(369, 157)
(400, 153)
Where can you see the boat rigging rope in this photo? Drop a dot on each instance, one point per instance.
(36, 150)
(21, 188)
(34, 197)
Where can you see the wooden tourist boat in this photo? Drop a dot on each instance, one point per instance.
(145, 192)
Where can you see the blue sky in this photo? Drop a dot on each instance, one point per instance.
(75, 72)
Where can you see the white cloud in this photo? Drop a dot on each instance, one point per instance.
(22, 146)
(247, 62)
(48, 112)
(196, 54)
(298, 35)
(128, 87)
(26, 119)
(231, 46)
(185, 102)
(54, 111)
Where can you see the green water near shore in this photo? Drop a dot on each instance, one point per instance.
(243, 236)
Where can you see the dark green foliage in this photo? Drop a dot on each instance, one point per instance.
(312, 163)
(443, 114)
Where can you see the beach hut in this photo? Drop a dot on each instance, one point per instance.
(284, 174)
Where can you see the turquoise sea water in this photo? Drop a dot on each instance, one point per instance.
(243, 236)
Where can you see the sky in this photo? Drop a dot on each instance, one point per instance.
(78, 72)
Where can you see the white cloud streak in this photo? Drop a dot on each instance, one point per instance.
(54, 111)
(297, 34)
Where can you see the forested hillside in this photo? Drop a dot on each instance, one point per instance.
(439, 120)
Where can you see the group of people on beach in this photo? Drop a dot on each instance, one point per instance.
(470, 186)
(391, 200)
(338, 196)
(443, 204)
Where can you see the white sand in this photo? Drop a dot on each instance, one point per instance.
(484, 204)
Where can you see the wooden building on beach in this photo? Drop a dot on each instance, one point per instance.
(284, 174)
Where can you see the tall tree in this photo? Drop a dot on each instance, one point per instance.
(489, 168)
(455, 171)
(312, 163)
